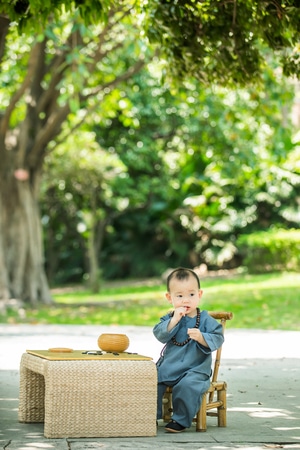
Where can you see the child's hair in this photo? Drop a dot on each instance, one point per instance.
(182, 273)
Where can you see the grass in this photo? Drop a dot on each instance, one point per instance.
(257, 301)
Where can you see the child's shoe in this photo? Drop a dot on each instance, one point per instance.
(174, 427)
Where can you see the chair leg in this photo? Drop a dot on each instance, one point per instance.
(167, 405)
(222, 410)
(201, 415)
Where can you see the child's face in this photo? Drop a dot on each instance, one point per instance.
(185, 293)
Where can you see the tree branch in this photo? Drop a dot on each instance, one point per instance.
(119, 79)
(56, 69)
(48, 132)
(125, 76)
(4, 26)
(33, 61)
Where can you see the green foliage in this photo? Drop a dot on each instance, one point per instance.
(34, 14)
(240, 173)
(212, 40)
(197, 168)
(224, 42)
(266, 251)
(81, 195)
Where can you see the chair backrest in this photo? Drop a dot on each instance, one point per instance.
(222, 316)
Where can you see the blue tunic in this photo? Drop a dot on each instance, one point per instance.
(188, 368)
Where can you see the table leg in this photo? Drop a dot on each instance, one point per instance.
(32, 395)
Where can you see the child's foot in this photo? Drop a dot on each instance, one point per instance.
(174, 427)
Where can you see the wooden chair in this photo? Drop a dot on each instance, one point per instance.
(215, 397)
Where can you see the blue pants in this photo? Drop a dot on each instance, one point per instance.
(186, 397)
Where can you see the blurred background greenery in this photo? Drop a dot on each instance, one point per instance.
(257, 301)
(127, 150)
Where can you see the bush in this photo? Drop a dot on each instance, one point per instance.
(268, 251)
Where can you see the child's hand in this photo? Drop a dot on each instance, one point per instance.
(179, 312)
(195, 334)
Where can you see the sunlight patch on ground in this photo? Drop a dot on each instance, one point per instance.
(36, 446)
(262, 412)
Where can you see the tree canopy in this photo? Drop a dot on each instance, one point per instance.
(225, 41)
(211, 40)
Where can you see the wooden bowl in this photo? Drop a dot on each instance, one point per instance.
(113, 342)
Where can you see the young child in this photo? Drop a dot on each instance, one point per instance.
(190, 337)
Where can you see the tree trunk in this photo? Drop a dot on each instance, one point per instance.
(94, 275)
(22, 274)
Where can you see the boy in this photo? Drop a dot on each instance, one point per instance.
(190, 338)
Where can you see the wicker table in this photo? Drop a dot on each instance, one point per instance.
(89, 398)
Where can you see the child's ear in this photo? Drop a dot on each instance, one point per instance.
(168, 297)
(200, 292)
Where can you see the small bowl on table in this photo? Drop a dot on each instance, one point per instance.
(113, 342)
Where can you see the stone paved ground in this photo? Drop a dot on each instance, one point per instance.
(262, 369)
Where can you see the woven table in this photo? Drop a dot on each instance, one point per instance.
(104, 396)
